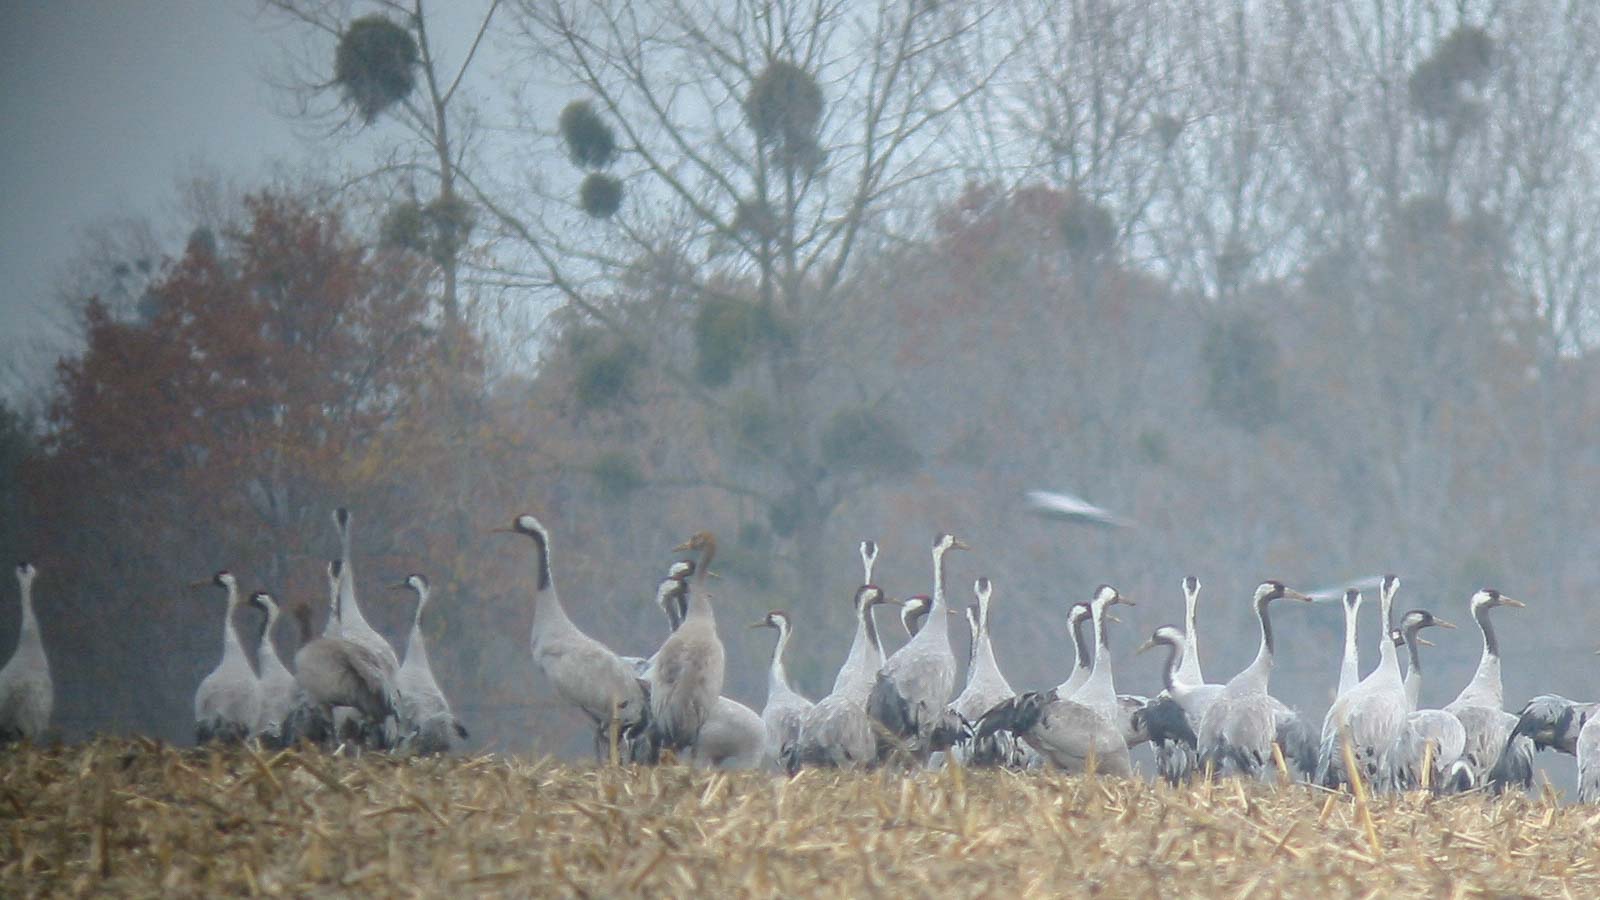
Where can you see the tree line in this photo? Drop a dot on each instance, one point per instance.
(1302, 290)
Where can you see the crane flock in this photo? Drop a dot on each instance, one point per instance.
(348, 687)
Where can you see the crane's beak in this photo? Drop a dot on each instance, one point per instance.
(889, 601)
(1293, 594)
(1145, 646)
(683, 546)
(1111, 618)
(1424, 641)
(1442, 623)
(200, 583)
(761, 624)
(1507, 601)
(400, 586)
(502, 530)
(958, 544)
(1125, 601)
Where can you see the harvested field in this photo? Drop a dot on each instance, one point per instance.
(138, 818)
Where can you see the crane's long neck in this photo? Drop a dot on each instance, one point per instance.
(936, 628)
(29, 641)
(1260, 670)
(548, 613)
(349, 611)
(332, 628)
(1388, 659)
(1350, 664)
(1169, 673)
(1189, 664)
(416, 645)
(1413, 670)
(232, 649)
(1083, 650)
(1099, 689)
(1486, 680)
(777, 677)
(267, 652)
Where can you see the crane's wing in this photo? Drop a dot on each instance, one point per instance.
(1068, 508)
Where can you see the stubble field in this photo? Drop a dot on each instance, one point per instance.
(136, 818)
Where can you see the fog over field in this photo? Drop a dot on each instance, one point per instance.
(1303, 292)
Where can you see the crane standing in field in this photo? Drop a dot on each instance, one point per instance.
(1370, 717)
(1491, 746)
(1240, 726)
(686, 678)
(1430, 735)
(227, 705)
(786, 707)
(837, 732)
(26, 691)
(426, 722)
(986, 688)
(584, 672)
(277, 682)
(914, 684)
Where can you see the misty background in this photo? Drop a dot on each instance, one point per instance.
(1304, 291)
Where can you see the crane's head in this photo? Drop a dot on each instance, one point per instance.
(25, 572)
(335, 569)
(415, 582)
(867, 596)
(1078, 614)
(263, 601)
(946, 542)
(1418, 619)
(341, 518)
(224, 579)
(869, 551)
(703, 543)
(776, 619)
(699, 542)
(1352, 599)
(1191, 587)
(1488, 598)
(1105, 595)
(681, 569)
(1270, 590)
(913, 611)
(1389, 587)
(527, 525)
(1169, 635)
(983, 589)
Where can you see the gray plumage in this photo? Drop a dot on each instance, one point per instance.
(1239, 727)
(352, 624)
(26, 692)
(986, 688)
(686, 678)
(837, 732)
(733, 737)
(786, 707)
(1164, 719)
(427, 724)
(277, 682)
(227, 705)
(1481, 708)
(1089, 729)
(865, 655)
(915, 684)
(1589, 762)
(1423, 727)
(584, 672)
(334, 672)
(1371, 715)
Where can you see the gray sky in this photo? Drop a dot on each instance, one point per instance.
(107, 106)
